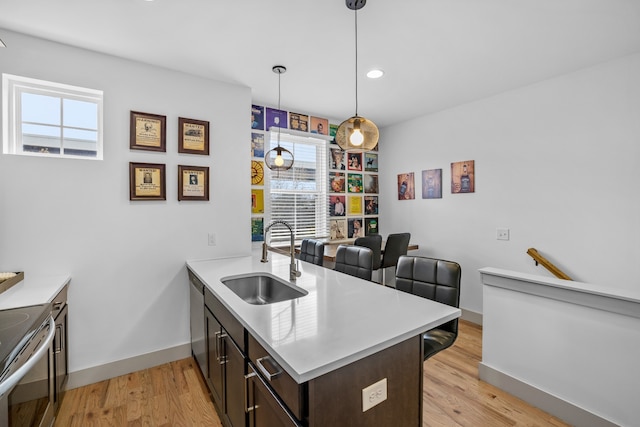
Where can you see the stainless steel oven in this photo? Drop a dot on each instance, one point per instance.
(26, 366)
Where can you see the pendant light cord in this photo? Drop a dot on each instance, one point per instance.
(279, 75)
(356, 19)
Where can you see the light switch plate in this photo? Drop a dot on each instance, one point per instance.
(374, 394)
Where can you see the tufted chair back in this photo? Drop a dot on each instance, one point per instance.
(354, 260)
(373, 242)
(312, 251)
(437, 280)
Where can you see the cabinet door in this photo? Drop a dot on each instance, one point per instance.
(265, 410)
(215, 358)
(60, 355)
(234, 384)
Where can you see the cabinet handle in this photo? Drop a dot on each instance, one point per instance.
(58, 340)
(264, 370)
(221, 358)
(248, 408)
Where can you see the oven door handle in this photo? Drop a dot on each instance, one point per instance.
(10, 382)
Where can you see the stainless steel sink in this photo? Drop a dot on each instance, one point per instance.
(262, 288)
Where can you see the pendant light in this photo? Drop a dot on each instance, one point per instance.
(279, 158)
(357, 133)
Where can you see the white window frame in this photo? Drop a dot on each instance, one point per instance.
(280, 235)
(12, 88)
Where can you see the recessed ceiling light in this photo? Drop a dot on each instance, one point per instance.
(375, 74)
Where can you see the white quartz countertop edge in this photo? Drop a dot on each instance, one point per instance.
(33, 290)
(341, 320)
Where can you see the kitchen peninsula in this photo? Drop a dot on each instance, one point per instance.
(349, 352)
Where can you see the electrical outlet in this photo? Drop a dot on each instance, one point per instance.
(212, 239)
(502, 234)
(374, 394)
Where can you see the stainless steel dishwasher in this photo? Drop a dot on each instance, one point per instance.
(198, 344)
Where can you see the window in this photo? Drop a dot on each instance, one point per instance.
(299, 195)
(51, 119)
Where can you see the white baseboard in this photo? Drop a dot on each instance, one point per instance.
(554, 405)
(126, 366)
(471, 316)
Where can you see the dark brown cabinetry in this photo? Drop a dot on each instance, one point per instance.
(265, 410)
(225, 361)
(250, 388)
(60, 346)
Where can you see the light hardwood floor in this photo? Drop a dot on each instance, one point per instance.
(174, 394)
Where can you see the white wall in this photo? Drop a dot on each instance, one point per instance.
(556, 162)
(129, 293)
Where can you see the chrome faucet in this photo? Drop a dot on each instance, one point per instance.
(293, 270)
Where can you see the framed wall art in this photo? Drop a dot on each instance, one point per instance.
(257, 172)
(432, 184)
(193, 136)
(406, 186)
(463, 177)
(319, 125)
(193, 182)
(147, 181)
(299, 122)
(148, 132)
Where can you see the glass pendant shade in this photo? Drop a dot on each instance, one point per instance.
(357, 134)
(279, 159)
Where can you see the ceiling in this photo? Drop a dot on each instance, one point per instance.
(436, 53)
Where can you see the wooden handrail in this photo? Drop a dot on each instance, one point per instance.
(547, 264)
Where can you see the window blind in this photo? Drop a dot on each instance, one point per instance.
(298, 196)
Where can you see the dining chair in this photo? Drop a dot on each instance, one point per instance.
(312, 251)
(373, 242)
(397, 245)
(437, 280)
(354, 260)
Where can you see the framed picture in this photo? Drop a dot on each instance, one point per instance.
(257, 144)
(319, 125)
(337, 159)
(406, 186)
(354, 228)
(147, 181)
(257, 172)
(336, 182)
(277, 118)
(432, 184)
(371, 205)
(337, 229)
(355, 161)
(257, 229)
(336, 205)
(355, 205)
(370, 226)
(257, 117)
(299, 122)
(257, 200)
(371, 162)
(148, 132)
(193, 182)
(354, 183)
(371, 184)
(193, 136)
(463, 177)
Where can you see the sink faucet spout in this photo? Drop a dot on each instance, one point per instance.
(293, 270)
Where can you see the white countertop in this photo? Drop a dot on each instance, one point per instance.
(33, 290)
(341, 320)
